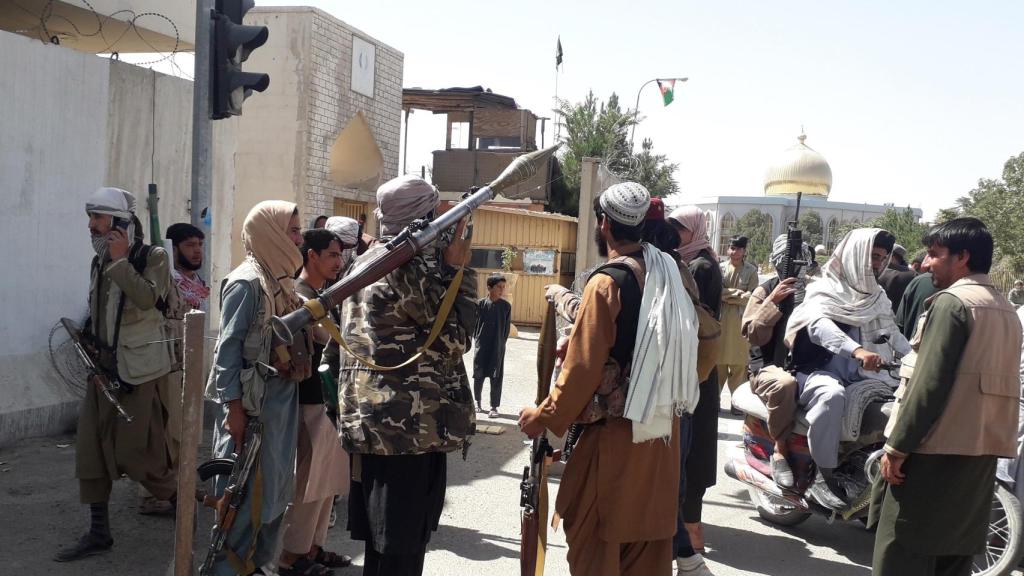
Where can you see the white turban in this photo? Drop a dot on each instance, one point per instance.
(402, 200)
(345, 228)
(113, 201)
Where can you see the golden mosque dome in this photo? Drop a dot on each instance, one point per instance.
(798, 169)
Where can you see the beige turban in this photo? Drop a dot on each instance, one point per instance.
(277, 258)
(402, 200)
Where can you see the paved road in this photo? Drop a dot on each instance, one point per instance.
(480, 525)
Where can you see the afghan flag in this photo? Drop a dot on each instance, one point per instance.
(667, 91)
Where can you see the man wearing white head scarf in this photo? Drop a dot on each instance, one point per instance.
(129, 280)
(632, 353)
(832, 335)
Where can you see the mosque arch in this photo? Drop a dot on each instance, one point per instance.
(831, 231)
(726, 227)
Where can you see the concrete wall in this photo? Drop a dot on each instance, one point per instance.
(595, 179)
(286, 133)
(72, 122)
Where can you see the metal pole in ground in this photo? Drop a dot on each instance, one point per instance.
(194, 348)
(202, 133)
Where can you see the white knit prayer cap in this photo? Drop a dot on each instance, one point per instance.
(626, 203)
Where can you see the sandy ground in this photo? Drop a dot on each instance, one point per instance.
(480, 525)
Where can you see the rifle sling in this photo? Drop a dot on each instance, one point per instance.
(316, 308)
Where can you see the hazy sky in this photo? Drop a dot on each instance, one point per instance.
(910, 101)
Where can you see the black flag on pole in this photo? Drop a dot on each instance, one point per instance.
(558, 53)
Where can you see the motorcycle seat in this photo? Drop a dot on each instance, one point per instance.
(872, 423)
(745, 399)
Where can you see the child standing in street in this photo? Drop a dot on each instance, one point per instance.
(494, 317)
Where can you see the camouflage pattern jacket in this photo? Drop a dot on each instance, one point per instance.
(426, 406)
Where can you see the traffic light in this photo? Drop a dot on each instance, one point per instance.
(230, 45)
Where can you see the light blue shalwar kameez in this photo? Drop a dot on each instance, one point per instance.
(280, 419)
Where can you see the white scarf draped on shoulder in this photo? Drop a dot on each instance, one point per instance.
(663, 378)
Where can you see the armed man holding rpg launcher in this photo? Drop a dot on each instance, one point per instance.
(126, 340)
(404, 393)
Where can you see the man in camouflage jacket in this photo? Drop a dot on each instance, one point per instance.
(399, 424)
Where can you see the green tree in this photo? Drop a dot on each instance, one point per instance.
(757, 227)
(901, 223)
(592, 128)
(810, 223)
(999, 203)
(904, 226)
(654, 171)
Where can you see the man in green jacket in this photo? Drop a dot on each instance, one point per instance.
(129, 281)
(954, 417)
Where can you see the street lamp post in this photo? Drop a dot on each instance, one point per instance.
(636, 109)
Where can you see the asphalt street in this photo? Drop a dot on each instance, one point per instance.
(479, 531)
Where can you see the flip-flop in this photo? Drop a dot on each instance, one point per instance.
(304, 567)
(332, 559)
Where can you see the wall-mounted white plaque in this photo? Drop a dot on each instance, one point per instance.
(363, 56)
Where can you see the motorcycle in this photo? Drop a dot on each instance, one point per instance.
(859, 465)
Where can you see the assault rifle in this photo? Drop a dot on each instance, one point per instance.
(407, 244)
(533, 490)
(238, 470)
(106, 384)
(794, 261)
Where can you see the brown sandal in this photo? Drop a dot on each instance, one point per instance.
(331, 559)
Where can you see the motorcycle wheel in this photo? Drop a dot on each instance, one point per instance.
(776, 511)
(1004, 536)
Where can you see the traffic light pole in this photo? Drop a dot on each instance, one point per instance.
(202, 135)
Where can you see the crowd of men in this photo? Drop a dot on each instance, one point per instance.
(369, 402)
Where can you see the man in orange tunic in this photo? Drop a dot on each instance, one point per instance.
(619, 493)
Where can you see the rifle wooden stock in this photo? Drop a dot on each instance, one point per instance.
(406, 245)
(534, 487)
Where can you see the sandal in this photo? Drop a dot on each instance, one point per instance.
(151, 506)
(304, 567)
(331, 559)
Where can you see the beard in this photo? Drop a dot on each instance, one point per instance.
(188, 265)
(602, 244)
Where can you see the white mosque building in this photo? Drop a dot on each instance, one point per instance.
(797, 169)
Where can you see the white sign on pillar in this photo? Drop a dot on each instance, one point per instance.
(364, 55)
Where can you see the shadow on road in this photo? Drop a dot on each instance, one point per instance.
(768, 553)
(474, 545)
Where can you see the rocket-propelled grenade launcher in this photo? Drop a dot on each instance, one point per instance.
(407, 244)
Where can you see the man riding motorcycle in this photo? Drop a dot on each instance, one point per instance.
(835, 336)
(763, 325)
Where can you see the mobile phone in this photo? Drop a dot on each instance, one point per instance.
(121, 223)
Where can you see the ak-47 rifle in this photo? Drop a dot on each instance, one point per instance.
(405, 245)
(106, 384)
(533, 497)
(238, 469)
(794, 261)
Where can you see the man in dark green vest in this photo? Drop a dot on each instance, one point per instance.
(953, 418)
